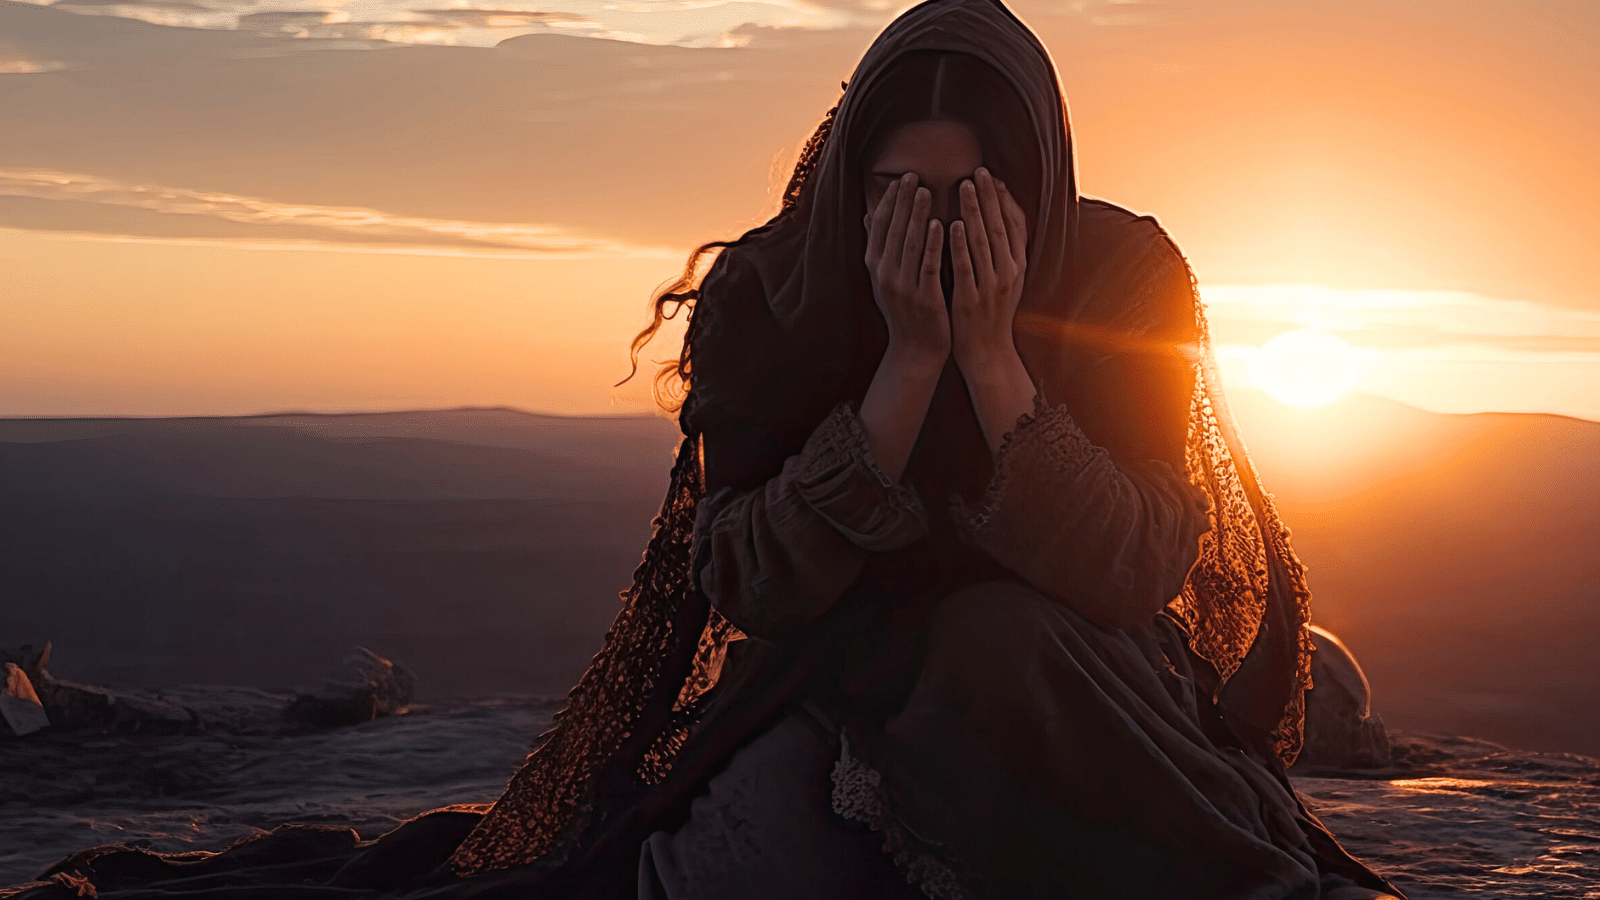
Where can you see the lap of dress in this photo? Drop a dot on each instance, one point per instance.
(765, 828)
(1039, 755)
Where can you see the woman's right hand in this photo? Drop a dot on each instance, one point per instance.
(903, 247)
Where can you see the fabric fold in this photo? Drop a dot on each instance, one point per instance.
(776, 558)
(1114, 542)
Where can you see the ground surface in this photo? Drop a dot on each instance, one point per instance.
(1455, 816)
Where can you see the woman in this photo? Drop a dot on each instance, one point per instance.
(964, 586)
(951, 535)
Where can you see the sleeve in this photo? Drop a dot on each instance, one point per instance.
(1089, 501)
(1114, 541)
(776, 557)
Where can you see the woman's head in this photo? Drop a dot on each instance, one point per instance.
(794, 285)
(942, 114)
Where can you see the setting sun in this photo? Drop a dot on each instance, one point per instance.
(1306, 367)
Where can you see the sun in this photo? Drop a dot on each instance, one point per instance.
(1305, 367)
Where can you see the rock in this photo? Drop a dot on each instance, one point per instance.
(73, 705)
(19, 705)
(30, 658)
(375, 687)
(221, 709)
(69, 705)
(32, 698)
(1342, 731)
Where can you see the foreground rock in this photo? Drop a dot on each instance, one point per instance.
(1450, 818)
(1342, 731)
(373, 687)
(370, 687)
(19, 704)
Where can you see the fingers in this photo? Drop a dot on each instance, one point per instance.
(878, 223)
(1016, 225)
(975, 230)
(961, 260)
(931, 248)
(895, 240)
(994, 222)
(916, 227)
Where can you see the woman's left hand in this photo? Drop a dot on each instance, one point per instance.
(988, 253)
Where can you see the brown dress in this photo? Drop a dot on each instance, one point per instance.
(1015, 715)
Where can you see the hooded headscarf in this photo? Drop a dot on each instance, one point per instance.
(801, 326)
(811, 314)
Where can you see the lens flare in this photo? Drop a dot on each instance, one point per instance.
(1306, 367)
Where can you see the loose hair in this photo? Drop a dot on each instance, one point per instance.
(671, 381)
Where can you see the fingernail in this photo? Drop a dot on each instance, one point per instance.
(982, 171)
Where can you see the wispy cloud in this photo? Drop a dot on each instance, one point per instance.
(696, 23)
(280, 222)
(1426, 316)
(1449, 351)
(29, 66)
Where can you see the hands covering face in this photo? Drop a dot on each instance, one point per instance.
(988, 250)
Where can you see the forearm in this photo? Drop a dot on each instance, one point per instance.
(1113, 541)
(776, 557)
(1002, 392)
(897, 403)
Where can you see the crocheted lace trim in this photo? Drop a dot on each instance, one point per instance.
(1047, 429)
(858, 796)
(841, 441)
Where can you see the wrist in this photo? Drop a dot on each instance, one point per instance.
(984, 360)
(916, 359)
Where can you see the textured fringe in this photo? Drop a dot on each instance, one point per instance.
(858, 796)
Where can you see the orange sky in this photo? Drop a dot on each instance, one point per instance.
(218, 215)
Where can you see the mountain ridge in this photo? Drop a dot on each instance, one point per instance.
(1453, 553)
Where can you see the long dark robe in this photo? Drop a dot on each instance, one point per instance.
(992, 636)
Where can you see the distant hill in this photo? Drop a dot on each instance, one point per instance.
(1459, 556)
(483, 548)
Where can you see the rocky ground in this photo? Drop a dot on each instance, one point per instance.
(1450, 816)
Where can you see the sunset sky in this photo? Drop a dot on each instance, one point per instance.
(241, 206)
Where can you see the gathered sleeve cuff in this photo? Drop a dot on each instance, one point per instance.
(777, 557)
(1113, 542)
(839, 478)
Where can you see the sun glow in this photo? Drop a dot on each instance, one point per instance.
(1306, 367)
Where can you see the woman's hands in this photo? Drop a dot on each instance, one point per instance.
(988, 251)
(988, 256)
(903, 248)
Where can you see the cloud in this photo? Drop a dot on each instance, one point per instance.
(503, 18)
(13, 66)
(373, 23)
(1409, 316)
(1449, 351)
(58, 199)
(648, 145)
(172, 13)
